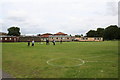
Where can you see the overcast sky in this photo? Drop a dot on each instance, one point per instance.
(51, 16)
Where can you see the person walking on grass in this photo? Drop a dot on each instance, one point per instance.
(61, 41)
(33, 42)
(53, 42)
(47, 42)
(28, 42)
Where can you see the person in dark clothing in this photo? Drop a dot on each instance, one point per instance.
(53, 42)
(47, 42)
(61, 41)
(28, 42)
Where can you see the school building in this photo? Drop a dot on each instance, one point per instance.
(45, 36)
(88, 39)
(42, 38)
(57, 37)
(60, 36)
(26, 38)
(9, 39)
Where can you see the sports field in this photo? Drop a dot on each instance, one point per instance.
(66, 60)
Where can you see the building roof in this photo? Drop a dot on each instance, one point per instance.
(46, 35)
(2, 33)
(60, 33)
(7, 36)
(59, 36)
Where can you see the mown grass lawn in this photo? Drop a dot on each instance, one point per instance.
(96, 59)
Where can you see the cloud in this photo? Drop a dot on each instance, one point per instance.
(70, 16)
(112, 8)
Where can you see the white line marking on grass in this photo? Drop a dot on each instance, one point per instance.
(101, 71)
(97, 56)
(83, 61)
(99, 61)
(48, 62)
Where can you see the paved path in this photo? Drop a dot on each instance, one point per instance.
(5, 75)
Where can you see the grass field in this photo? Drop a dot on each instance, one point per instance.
(66, 60)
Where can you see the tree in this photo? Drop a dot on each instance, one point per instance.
(77, 36)
(14, 31)
(38, 34)
(119, 34)
(81, 35)
(94, 33)
(111, 32)
(91, 33)
(100, 32)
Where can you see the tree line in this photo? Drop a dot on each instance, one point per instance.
(112, 32)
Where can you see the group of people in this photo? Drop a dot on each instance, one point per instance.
(32, 42)
(47, 42)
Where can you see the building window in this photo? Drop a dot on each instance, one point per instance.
(100, 38)
(97, 38)
(44, 39)
(5, 38)
(10, 38)
(14, 39)
(84, 38)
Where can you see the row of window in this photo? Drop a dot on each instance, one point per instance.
(56, 38)
(60, 38)
(87, 38)
(51, 38)
(84, 38)
(7, 39)
(97, 38)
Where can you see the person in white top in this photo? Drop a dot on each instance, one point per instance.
(33, 42)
